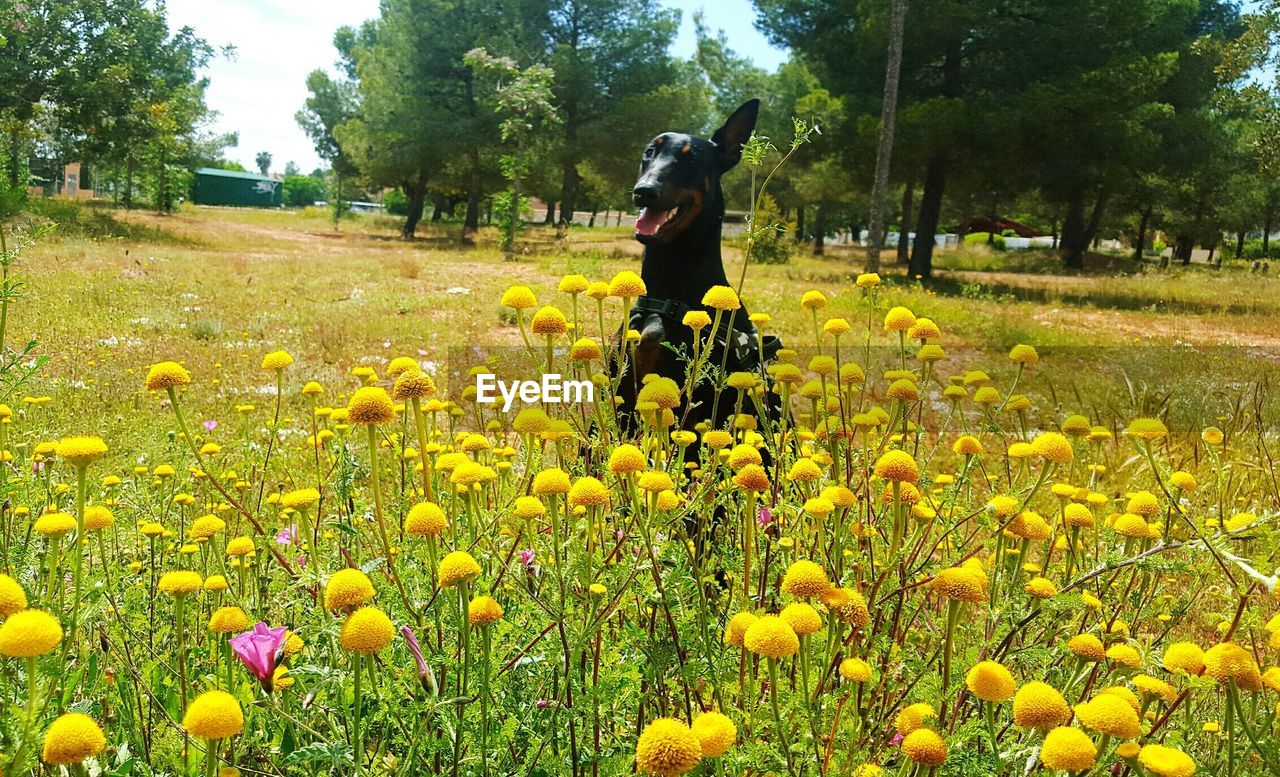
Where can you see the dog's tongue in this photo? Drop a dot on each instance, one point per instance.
(650, 220)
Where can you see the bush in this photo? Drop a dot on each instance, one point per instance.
(396, 203)
(984, 238)
(1253, 250)
(772, 246)
(302, 190)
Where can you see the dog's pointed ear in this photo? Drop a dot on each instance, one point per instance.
(737, 129)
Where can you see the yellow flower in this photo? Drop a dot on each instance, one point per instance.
(667, 748)
(206, 526)
(551, 481)
(367, 630)
(12, 597)
(990, 681)
(752, 478)
(963, 584)
(848, 605)
(412, 384)
(72, 738)
(370, 405)
(585, 349)
(663, 391)
(967, 445)
(1041, 588)
(1164, 761)
(1053, 447)
(897, 466)
(1069, 750)
(1124, 655)
(484, 610)
(518, 297)
(1184, 481)
(836, 327)
(813, 300)
(276, 360)
(400, 365)
(805, 579)
(1155, 688)
(1228, 661)
(29, 633)
(54, 524)
(588, 492)
(627, 284)
(1212, 435)
(228, 619)
(347, 588)
(1184, 657)
(867, 280)
(697, 320)
(81, 451)
(735, 631)
(1109, 714)
(1147, 429)
(655, 481)
(772, 637)
(240, 546)
(425, 519)
(215, 583)
(549, 320)
(627, 459)
(855, 670)
(716, 731)
(801, 617)
(97, 517)
(1023, 354)
(1087, 646)
(913, 717)
(180, 582)
(925, 747)
(1039, 705)
(167, 375)
(213, 715)
(899, 319)
(457, 567)
(721, 298)
(572, 284)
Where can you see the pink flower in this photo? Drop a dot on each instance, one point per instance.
(210, 425)
(260, 649)
(764, 517)
(425, 675)
(526, 558)
(287, 535)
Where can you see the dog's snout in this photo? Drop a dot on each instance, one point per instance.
(646, 194)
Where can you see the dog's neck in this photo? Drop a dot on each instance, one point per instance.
(686, 267)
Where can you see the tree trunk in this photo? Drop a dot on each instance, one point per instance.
(820, 230)
(1268, 219)
(129, 167)
(437, 209)
(935, 181)
(595, 210)
(1140, 245)
(1074, 241)
(888, 122)
(471, 224)
(1240, 243)
(551, 213)
(569, 190)
(799, 224)
(416, 191)
(904, 232)
(15, 151)
(1095, 219)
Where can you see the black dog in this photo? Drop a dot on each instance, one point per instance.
(681, 215)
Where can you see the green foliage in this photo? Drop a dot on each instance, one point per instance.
(396, 202)
(302, 190)
(985, 238)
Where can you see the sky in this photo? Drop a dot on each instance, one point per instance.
(278, 42)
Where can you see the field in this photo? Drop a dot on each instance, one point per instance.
(1059, 563)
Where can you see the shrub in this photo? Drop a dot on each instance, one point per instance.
(773, 244)
(396, 203)
(301, 191)
(1253, 250)
(984, 238)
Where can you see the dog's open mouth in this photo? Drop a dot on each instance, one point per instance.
(655, 223)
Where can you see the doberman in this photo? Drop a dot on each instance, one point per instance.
(681, 216)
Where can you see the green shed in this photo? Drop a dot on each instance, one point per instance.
(231, 187)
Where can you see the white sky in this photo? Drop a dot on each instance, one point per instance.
(279, 41)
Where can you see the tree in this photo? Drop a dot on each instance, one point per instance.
(332, 102)
(523, 99)
(888, 122)
(263, 161)
(606, 55)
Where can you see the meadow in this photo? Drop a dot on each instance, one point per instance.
(1017, 522)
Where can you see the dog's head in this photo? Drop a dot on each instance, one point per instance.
(680, 176)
